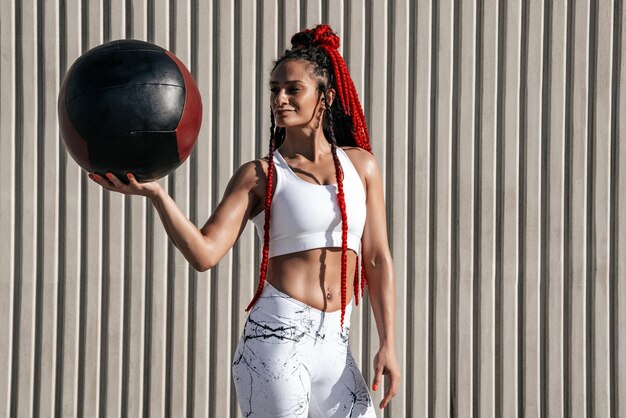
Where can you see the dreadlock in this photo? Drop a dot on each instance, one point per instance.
(343, 124)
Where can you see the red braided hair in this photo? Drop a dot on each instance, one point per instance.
(322, 37)
(341, 200)
(268, 203)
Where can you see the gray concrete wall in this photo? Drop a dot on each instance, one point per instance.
(498, 126)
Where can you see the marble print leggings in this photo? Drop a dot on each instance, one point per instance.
(293, 360)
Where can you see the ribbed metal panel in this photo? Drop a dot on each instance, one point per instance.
(498, 126)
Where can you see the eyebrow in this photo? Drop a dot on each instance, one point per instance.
(287, 82)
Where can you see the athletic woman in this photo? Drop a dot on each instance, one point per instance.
(317, 203)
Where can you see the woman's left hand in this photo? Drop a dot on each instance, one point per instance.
(386, 363)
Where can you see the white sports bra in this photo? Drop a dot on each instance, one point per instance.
(306, 215)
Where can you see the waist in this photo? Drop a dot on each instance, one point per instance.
(289, 319)
(311, 276)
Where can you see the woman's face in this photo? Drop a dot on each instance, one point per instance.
(294, 95)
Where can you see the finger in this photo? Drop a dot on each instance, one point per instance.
(387, 398)
(131, 178)
(391, 392)
(113, 179)
(100, 180)
(377, 377)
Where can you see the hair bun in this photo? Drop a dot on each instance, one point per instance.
(302, 39)
(321, 36)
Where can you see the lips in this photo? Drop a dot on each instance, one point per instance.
(280, 113)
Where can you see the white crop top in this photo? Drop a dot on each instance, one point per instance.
(306, 215)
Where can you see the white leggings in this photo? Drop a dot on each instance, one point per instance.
(292, 360)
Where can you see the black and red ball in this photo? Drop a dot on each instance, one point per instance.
(129, 106)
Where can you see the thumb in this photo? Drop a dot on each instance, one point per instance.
(377, 377)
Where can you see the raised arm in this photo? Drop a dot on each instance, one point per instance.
(204, 247)
(378, 266)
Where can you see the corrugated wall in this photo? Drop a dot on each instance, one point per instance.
(498, 126)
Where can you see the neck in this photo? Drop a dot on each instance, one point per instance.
(309, 143)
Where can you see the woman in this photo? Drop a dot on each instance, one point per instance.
(316, 200)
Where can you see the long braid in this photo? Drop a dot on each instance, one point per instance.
(352, 107)
(268, 202)
(363, 278)
(341, 200)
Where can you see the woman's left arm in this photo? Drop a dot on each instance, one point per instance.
(378, 266)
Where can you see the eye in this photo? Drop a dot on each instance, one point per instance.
(273, 89)
(294, 90)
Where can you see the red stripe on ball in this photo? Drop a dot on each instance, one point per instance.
(189, 125)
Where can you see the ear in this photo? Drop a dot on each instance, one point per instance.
(330, 94)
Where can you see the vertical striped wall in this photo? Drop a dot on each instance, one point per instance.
(499, 128)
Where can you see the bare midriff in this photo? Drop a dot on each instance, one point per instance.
(313, 277)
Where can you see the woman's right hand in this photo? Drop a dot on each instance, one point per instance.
(149, 189)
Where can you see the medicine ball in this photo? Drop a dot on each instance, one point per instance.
(129, 106)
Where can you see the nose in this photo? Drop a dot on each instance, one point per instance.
(280, 98)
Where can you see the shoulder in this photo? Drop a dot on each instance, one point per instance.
(252, 172)
(252, 166)
(364, 162)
